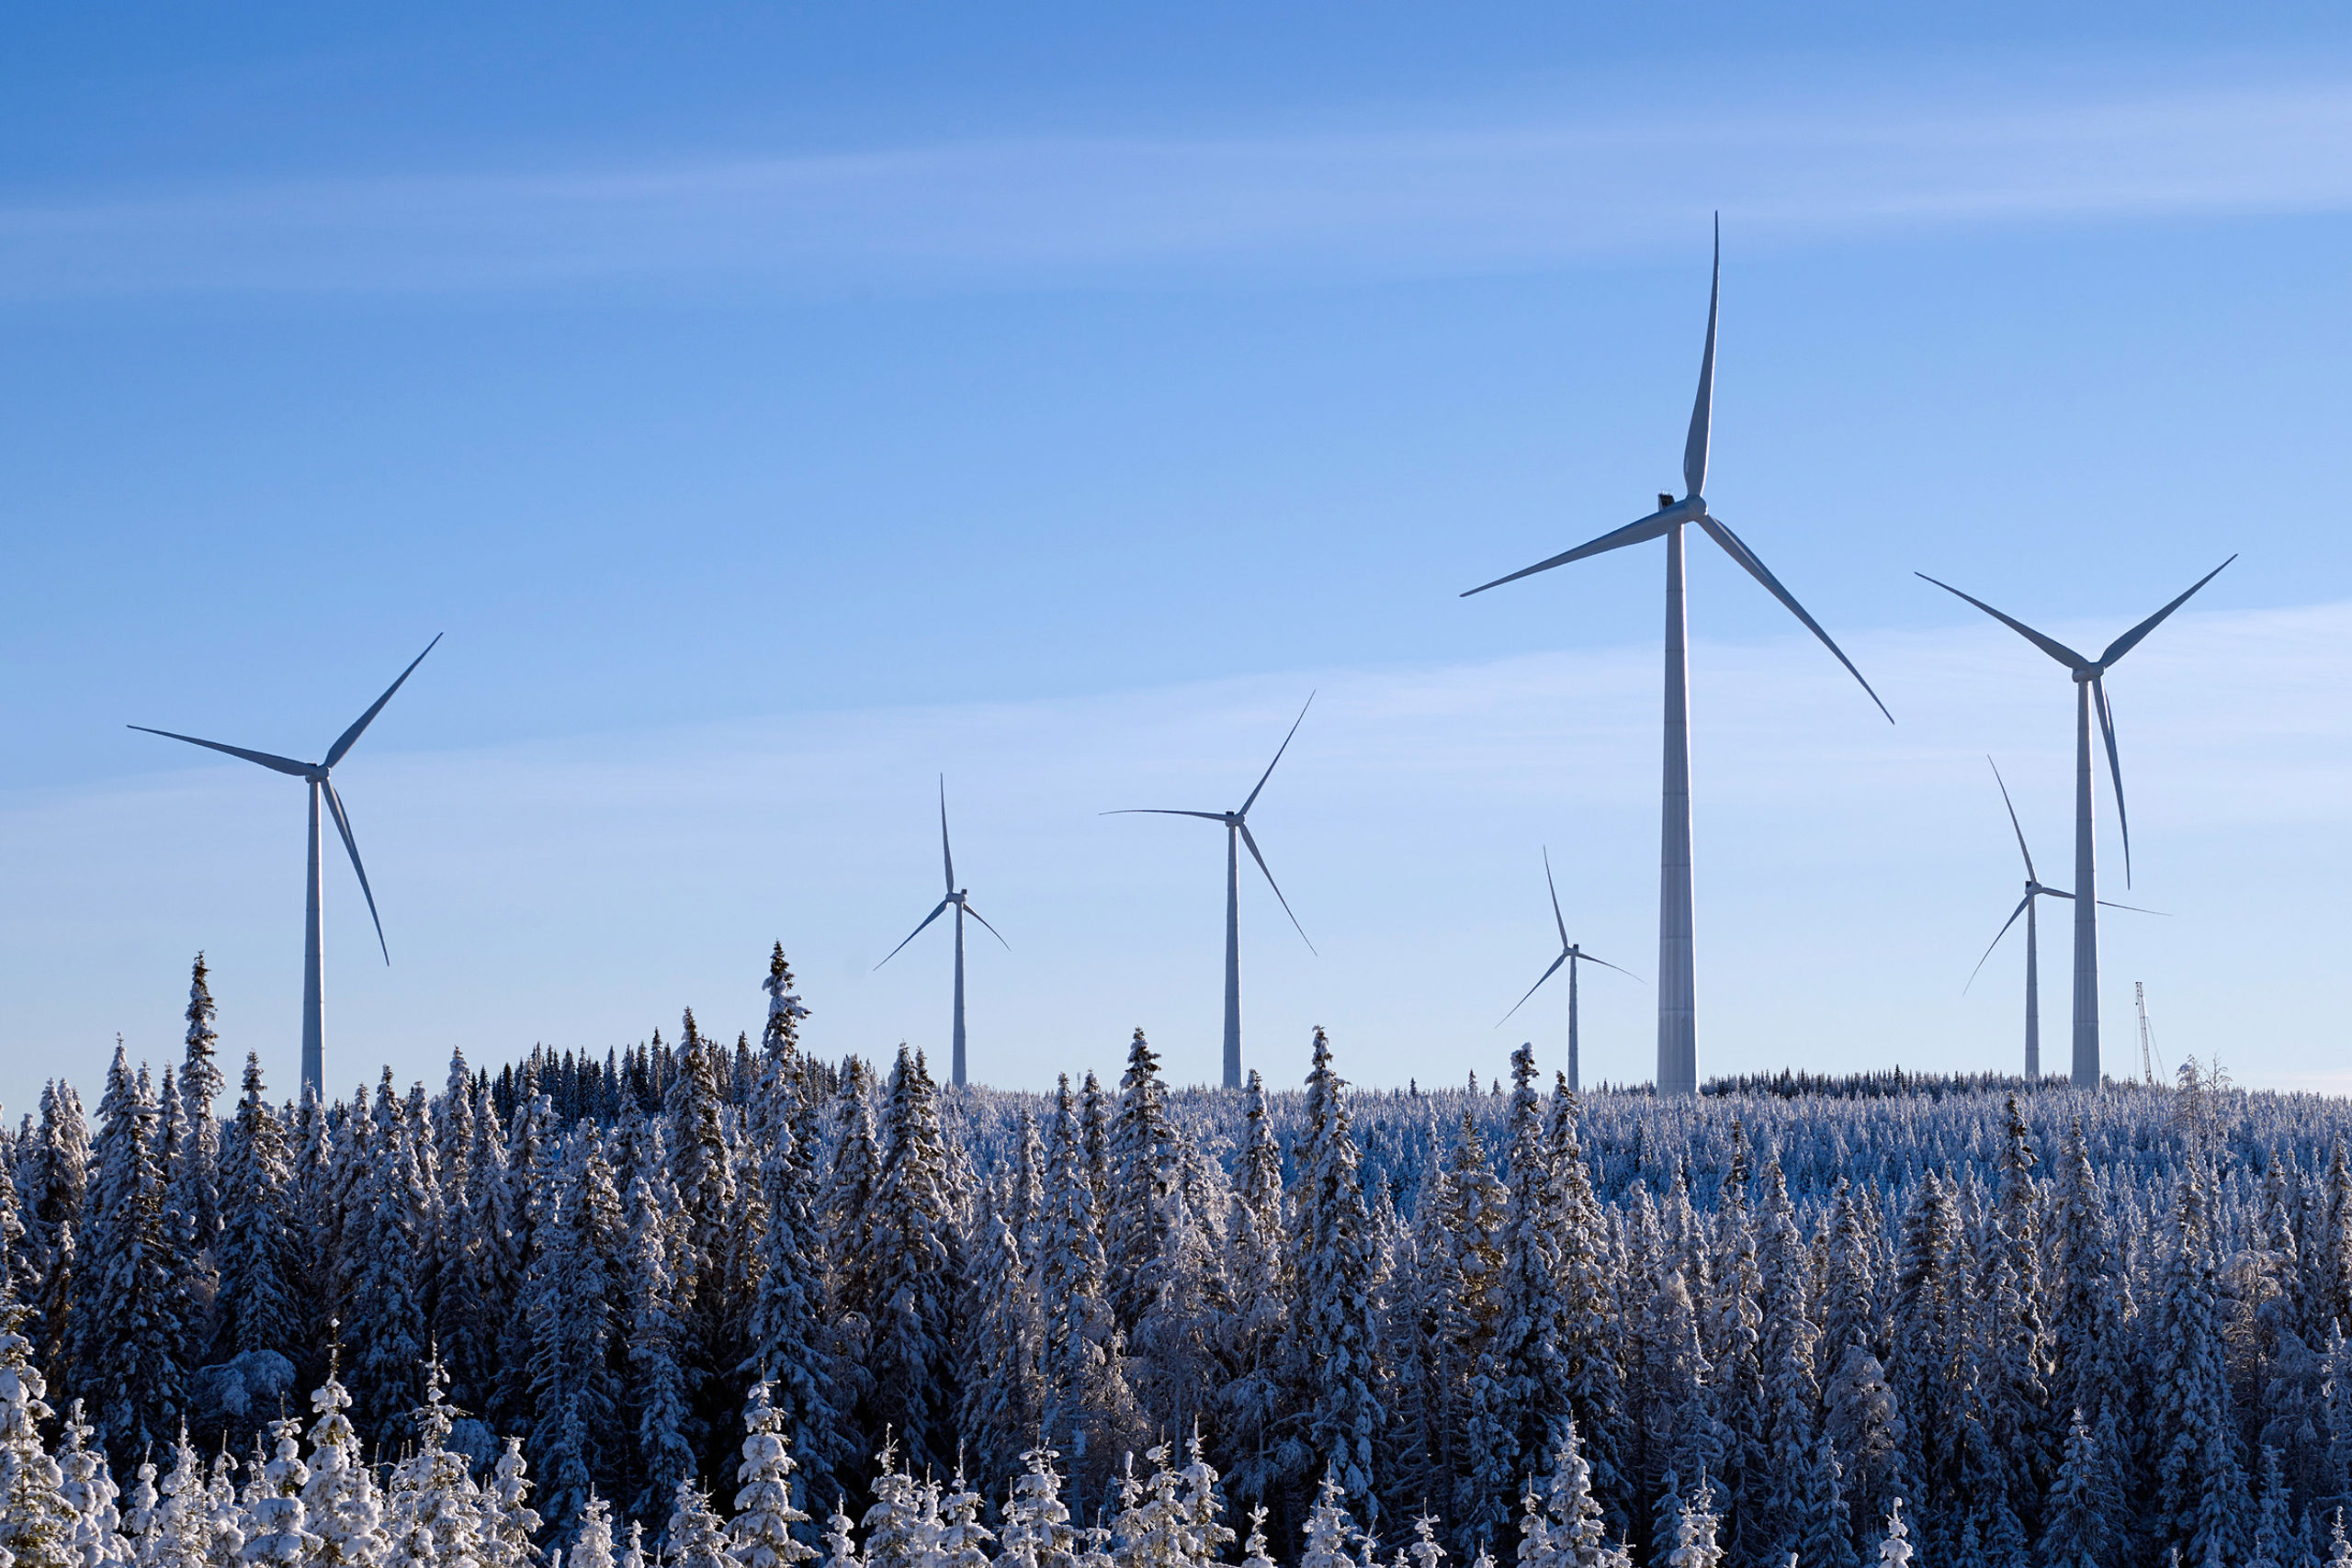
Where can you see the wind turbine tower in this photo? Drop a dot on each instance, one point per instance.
(2091, 695)
(961, 901)
(1237, 838)
(1678, 1056)
(321, 788)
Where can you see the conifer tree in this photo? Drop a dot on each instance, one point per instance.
(126, 1335)
(1337, 1323)
(2202, 1485)
(917, 1266)
(787, 1352)
(764, 1513)
(1037, 1532)
(397, 1221)
(593, 1546)
(200, 1083)
(340, 1498)
(695, 1537)
(259, 1257)
(1142, 1157)
(36, 1524)
(1258, 1265)
(659, 1384)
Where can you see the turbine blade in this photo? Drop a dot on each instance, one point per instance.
(2051, 645)
(1634, 533)
(335, 751)
(1556, 919)
(2114, 769)
(1736, 547)
(2059, 892)
(2131, 639)
(2135, 909)
(283, 764)
(1589, 958)
(916, 932)
(1278, 756)
(946, 856)
(1996, 940)
(2013, 819)
(1271, 883)
(1533, 989)
(984, 920)
(1163, 811)
(1694, 450)
(343, 826)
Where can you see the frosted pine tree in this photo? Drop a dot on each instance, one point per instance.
(509, 1521)
(277, 1520)
(963, 1539)
(916, 1267)
(1254, 1550)
(182, 1531)
(397, 1225)
(1037, 1532)
(53, 1176)
(89, 1493)
(592, 1546)
(658, 1384)
(787, 1346)
(1894, 1546)
(125, 1331)
(340, 1498)
(2075, 1531)
(1004, 1400)
(764, 1513)
(1258, 1265)
(1577, 1533)
(36, 1524)
(2202, 1485)
(1336, 1326)
(1691, 1544)
(695, 1537)
(1784, 1502)
(1142, 1150)
(200, 1083)
(1330, 1533)
(259, 1255)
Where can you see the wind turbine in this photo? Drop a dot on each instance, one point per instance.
(1570, 955)
(958, 898)
(2090, 691)
(1678, 1056)
(314, 941)
(1236, 836)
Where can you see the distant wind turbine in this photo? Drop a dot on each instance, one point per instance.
(2035, 888)
(1677, 1057)
(314, 942)
(958, 898)
(2090, 692)
(1236, 836)
(1570, 955)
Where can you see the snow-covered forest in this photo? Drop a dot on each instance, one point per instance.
(1104, 1327)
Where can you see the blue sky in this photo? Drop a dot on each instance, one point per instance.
(778, 407)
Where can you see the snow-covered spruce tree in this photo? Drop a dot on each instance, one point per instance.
(1733, 1330)
(89, 1493)
(1089, 1404)
(1143, 1173)
(1003, 1404)
(391, 1278)
(1330, 1533)
(278, 1520)
(1184, 1301)
(577, 1297)
(182, 1534)
(188, 1264)
(1895, 1548)
(1336, 1325)
(1258, 1265)
(1037, 1532)
(2201, 1494)
(1691, 1543)
(1459, 1284)
(786, 1341)
(764, 1513)
(1930, 1322)
(126, 1337)
(259, 1253)
(200, 1084)
(52, 1175)
(592, 1546)
(1860, 1417)
(660, 1384)
(1788, 1503)
(36, 1524)
(340, 1498)
(1574, 1524)
(963, 1539)
(695, 1536)
(1520, 1386)
(1590, 1343)
(916, 1270)
(509, 1521)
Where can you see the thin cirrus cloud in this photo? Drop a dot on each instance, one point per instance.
(1019, 211)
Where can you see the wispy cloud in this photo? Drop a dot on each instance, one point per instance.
(1430, 197)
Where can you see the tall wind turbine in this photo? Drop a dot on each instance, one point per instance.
(2090, 692)
(961, 900)
(1571, 955)
(2035, 888)
(1678, 1056)
(314, 940)
(1236, 837)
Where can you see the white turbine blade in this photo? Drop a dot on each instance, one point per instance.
(1736, 547)
(2134, 909)
(343, 826)
(283, 764)
(984, 920)
(2051, 645)
(1587, 958)
(1633, 533)
(2131, 639)
(1556, 919)
(1996, 940)
(1271, 883)
(1533, 989)
(917, 932)
(2013, 818)
(335, 751)
(1278, 756)
(2056, 893)
(1163, 811)
(2114, 768)
(1694, 450)
(947, 856)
